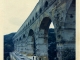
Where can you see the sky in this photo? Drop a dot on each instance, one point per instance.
(14, 13)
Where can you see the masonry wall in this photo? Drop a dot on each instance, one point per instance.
(62, 14)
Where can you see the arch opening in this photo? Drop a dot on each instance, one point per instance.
(40, 10)
(47, 30)
(31, 32)
(32, 37)
(46, 4)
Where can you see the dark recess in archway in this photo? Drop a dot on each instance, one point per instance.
(31, 33)
(51, 37)
(51, 44)
(45, 23)
(46, 4)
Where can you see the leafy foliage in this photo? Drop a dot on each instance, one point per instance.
(8, 45)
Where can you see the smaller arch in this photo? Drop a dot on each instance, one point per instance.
(36, 15)
(46, 4)
(31, 32)
(33, 18)
(40, 10)
(24, 36)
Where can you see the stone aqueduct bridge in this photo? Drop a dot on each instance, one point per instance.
(32, 37)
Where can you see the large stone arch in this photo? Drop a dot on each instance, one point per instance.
(31, 43)
(42, 40)
(64, 29)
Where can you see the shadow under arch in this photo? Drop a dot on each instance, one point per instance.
(31, 33)
(44, 29)
(45, 23)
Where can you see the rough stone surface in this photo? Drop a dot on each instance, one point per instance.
(32, 37)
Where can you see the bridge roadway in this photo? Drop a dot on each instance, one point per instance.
(19, 56)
